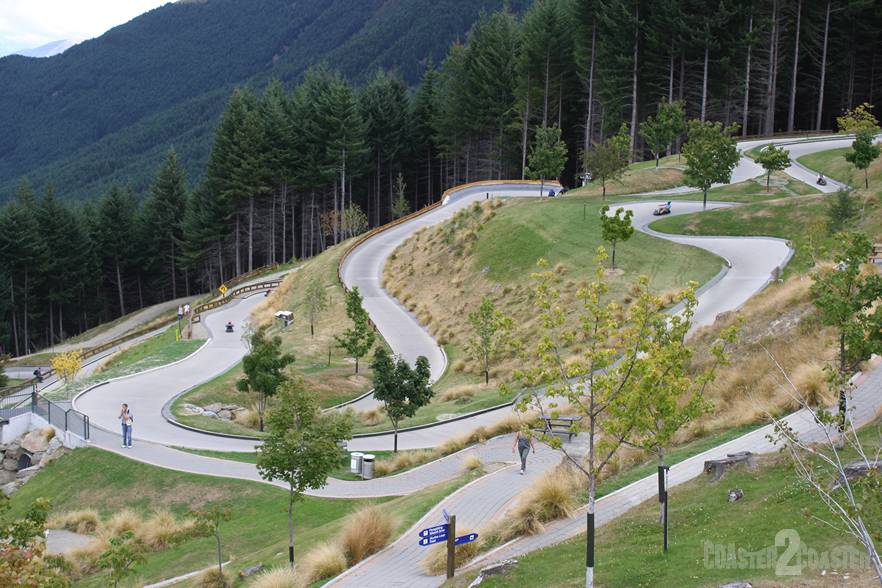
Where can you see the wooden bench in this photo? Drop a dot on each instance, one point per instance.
(562, 424)
(718, 466)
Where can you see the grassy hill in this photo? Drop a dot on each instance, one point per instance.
(109, 108)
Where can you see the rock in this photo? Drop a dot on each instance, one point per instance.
(13, 451)
(54, 445)
(718, 466)
(225, 414)
(250, 571)
(737, 585)
(37, 457)
(6, 477)
(35, 441)
(9, 488)
(735, 494)
(214, 407)
(27, 472)
(496, 569)
(858, 469)
(191, 409)
(209, 413)
(3, 447)
(9, 464)
(50, 457)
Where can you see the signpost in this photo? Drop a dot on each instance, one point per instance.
(663, 498)
(446, 532)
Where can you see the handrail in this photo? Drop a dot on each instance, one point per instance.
(56, 415)
(231, 295)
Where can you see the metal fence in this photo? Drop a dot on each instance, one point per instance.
(66, 419)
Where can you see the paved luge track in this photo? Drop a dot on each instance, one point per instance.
(752, 261)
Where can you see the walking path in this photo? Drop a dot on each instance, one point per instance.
(752, 261)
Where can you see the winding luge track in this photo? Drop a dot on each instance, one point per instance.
(752, 261)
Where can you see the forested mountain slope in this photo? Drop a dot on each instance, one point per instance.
(109, 108)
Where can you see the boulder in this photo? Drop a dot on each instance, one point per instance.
(27, 472)
(6, 477)
(214, 407)
(191, 409)
(857, 469)
(3, 447)
(50, 457)
(54, 445)
(737, 585)
(35, 441)
(499, 568)
(9, 488)
(209, 413)
(225, 414)
(250, 571)
(13, 450)
(9, 464)
(37, 457)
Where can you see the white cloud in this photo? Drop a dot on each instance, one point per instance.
(29, 23)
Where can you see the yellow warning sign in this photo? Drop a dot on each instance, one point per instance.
(222, 289)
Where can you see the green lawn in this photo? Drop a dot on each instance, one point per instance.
(629, 552)
(156, 351)
(257, 533)
(641, 176)
(832, 164)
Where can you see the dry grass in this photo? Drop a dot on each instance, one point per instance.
(811, 381)
(324, 561)
(370, 418)
(548, 498)
(509, 424)
(281, 577)
(83, 559)
(473, 463)
(84, 521)
(122, 521)
(162, 529)
(213, 578)
(403, 461)
(462, 392)
(248, 418)
(365, 532)
(435, 562)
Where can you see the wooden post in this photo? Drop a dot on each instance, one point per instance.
(451, 546)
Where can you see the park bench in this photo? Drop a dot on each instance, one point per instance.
(718, 466)
(562, 424)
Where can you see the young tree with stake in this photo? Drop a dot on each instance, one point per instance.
(357, 340)
(609, 160)
(773, 159)
(864, 152)
(302, 447)
(660, 131)
(208, 520)
(401, 206)
(264, 368)
(616, 227)
(548, 155)
(316, 302)
(711, 155)
(402, 390)
(491, 329)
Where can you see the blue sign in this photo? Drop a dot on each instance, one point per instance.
(433, 535)
(446, 516)
(465, 538)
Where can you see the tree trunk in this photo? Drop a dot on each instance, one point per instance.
(745, 111)
(238, 255)
(14, 320)
(771, 85)
(823, 67)
(220, 560)
(704, 84)
(174, 283)
(119, 289)
(589, 117)
(251, 233)
(525, 131)
(791, 111)
(284, 222)
(545, 98)
(633, 137)
(291, 526)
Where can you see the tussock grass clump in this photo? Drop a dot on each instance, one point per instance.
(122, 521)
(83, 521)
(372, 417)
(811, 381)
(462, 392)
(280, 577)
(550, 497)
(472, 463)
(435, 562)
(365, 532)
(162, 529)
(403, 461)
(83, 559)
(324, 561)
(213, 578)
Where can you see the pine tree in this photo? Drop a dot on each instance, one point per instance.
(164, 210)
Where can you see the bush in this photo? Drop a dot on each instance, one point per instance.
(472, 463)
(549, 498)
(120, 522)
(435, 562)
(324, 561)
(162, 529)
(811, 381)
(213, 578)
(84, 521)
(365, 532)
(463, 392)
(281, 577)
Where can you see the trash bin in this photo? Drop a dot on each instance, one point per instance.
(355, 462)
(367, 466)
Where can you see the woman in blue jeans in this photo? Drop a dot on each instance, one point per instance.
(523, 443)
(126, 419)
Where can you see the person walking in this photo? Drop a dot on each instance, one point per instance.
(523, 443)
(126, 419)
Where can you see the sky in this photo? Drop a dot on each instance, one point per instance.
(25, 24)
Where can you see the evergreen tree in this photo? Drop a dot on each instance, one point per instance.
(116, 218)
(164, 210)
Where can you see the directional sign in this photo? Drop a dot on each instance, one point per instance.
(446, 516)
(433, 535)
(465, 538)
(222, 289)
